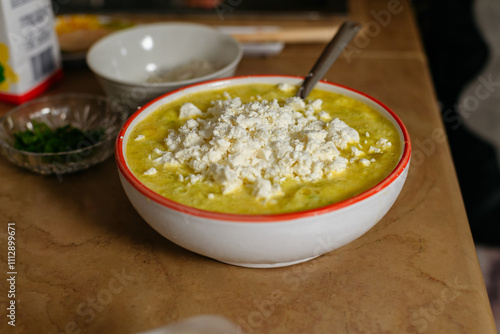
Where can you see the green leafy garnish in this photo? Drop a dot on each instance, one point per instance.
(42, 139)
(2, 76)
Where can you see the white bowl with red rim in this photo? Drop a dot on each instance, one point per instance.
(263, 241)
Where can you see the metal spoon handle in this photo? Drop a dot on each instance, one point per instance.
(333, 49)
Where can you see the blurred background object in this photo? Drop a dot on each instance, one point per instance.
(280, 7)
(457, 54)
(459, 38)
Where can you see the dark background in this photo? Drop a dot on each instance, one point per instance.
(243, 7)
(457, 53)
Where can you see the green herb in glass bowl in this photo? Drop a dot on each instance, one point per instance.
(60, 134)
(42, 139)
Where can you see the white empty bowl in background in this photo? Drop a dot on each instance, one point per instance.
(126, 61)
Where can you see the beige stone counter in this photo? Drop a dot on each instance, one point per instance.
(88, 263)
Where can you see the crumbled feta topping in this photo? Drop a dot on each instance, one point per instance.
(265, 189)
(316, 104)
(284, 87)
(365, 162)
(151, 171)
(140, 137)
(374, 149)
(356, 152)
(189, 110)
(158, 151)
(324, 116)
(260, 144)
(382, 142)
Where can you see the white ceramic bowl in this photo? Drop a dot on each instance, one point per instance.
(124, 61)
(262, 241)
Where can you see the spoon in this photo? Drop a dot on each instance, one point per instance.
(333, 49)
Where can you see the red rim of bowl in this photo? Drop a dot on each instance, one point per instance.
(130, 177)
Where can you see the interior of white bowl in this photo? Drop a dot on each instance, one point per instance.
(273, 79)
(133, 55)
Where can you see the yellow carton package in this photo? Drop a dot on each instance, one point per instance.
(30, 59)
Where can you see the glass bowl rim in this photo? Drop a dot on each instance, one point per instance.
(16, 109)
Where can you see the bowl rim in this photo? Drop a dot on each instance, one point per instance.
(261, 218)
(127, 82)
(49, 98)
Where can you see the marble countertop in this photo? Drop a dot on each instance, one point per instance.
(88, 263)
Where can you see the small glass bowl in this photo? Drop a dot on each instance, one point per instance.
(82, 111)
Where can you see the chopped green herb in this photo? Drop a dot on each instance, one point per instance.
(42, 139)
(2, 76)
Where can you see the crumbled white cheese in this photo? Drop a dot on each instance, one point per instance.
(158, 160)
(166, 158)
(338, 165)
(295, 103)
(374, 149)
(226, 95)
(260, 144)
(367, 134)
(284, 87)
(316, 104)
(151, 171)
(140, 137)
(211, 196)
(263, 188)
(356, 152)
(365, 162)
(189, 110)
(193, 178)
(324, 116)
(158, 151)
(383, 142)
